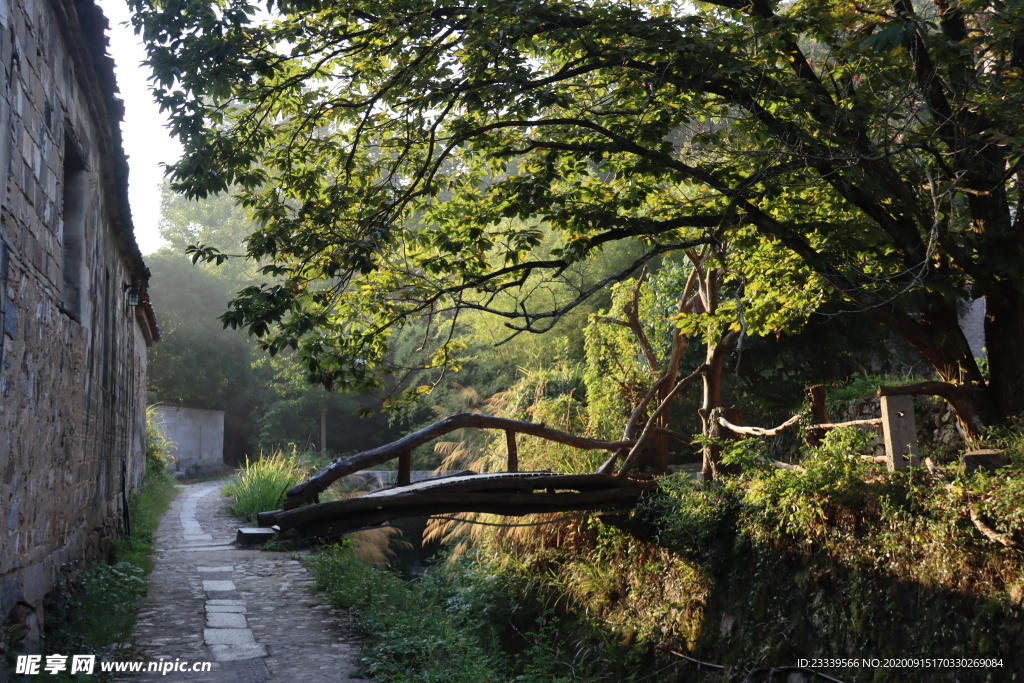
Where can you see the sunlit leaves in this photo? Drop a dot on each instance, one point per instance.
(397, 156)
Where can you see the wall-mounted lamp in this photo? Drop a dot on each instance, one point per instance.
(133, 293)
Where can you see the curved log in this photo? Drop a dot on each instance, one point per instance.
(512, 504)
(454, 490)
(311, 488)
(499, 494)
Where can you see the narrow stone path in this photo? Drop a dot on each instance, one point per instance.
(251, 613)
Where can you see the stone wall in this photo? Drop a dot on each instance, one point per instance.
(198, 437)
(72, 362)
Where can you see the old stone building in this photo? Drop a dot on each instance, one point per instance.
(73, 346)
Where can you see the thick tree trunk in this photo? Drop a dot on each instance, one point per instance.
(939, 338)
(1004, 343)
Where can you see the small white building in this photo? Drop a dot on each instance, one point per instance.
(198, 437)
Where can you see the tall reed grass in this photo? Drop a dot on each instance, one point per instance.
(262, 484)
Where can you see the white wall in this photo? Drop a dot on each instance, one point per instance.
(199, 438)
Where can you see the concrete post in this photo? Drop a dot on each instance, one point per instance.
(899, 431)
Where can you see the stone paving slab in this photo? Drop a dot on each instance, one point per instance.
(211, 609)
(251, 614)
(218, 586)
(215, 619)
(234, 653)
(228, 636)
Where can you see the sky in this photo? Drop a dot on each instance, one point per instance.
(146, 139)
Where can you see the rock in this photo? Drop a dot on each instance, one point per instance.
(25, 616)
(254, 535)
(987, 459)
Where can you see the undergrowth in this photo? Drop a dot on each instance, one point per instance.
(93, 611)
(468, 621)
(840, 559)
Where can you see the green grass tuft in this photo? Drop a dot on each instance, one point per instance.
(261, 486)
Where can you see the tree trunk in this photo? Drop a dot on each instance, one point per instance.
(819, 409)
(712, 405)
(659, 460)
(1004, 343)
(939, 338)
(323, 431)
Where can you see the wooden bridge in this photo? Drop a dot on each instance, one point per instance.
(520, 493)
(510, 493)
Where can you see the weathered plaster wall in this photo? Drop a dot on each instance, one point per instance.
(72, 371)
(198, 436)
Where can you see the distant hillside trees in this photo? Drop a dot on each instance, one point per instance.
(201, 364)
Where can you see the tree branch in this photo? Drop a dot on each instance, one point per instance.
(650, 427)
(761, 431)
(943, 389)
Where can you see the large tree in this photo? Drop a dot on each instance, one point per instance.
(384, 148)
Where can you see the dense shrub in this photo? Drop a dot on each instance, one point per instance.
(158, 444)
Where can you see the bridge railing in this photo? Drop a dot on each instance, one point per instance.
(402, 450)
(897, 422)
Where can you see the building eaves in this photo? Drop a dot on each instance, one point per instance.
(84, 29)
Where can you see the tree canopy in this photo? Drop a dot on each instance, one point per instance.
(407, 159)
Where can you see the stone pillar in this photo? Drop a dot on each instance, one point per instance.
(899, 431)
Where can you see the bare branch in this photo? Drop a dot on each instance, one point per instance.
(851, 423)
(651, 426)
(761, 431)
(942, 389)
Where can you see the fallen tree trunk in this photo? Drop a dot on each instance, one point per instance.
(457, 486)
(503, 495)
(506, 504)
(308, 490)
